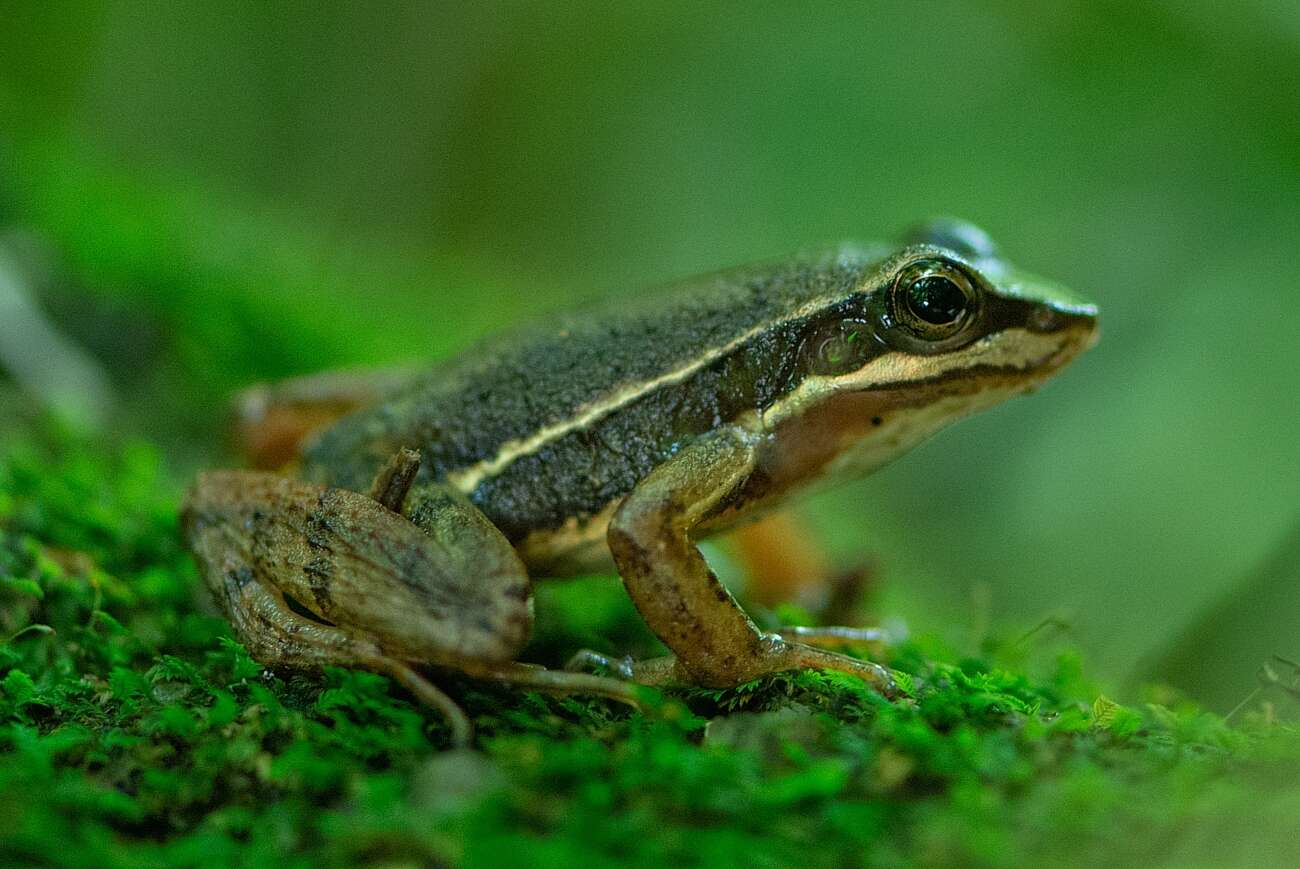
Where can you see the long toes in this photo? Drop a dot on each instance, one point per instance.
(776, 656)
(462, 731)
(795, 656)
(586, 661)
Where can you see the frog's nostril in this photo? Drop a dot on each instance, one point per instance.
(1048, 318)
(1077, 330)
(1045, 318)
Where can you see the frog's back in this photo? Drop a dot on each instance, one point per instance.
(557, 419)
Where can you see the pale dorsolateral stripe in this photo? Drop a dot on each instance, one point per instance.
(1014, 349)
(467, 479)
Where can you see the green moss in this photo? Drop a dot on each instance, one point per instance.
(135, 731)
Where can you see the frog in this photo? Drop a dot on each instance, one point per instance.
(406, 535)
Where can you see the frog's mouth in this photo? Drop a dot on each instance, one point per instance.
(1014, 352)
(851, 424)
(1031, 354)
(1013, 359)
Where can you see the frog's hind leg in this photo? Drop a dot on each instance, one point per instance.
(538, 678)
(277, 635)
(652, 671)
(472, 550)
(313, 576)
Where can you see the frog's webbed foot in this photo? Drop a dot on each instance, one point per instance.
(657, 672)
(276, 635)
(714, 642)
(589, 659)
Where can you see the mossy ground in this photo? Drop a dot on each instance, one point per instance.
(135, 731)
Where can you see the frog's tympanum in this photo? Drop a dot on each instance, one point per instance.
(405, 541)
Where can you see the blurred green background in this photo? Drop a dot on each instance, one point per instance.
(205, 197)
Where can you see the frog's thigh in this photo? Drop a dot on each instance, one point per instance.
(682, 601)
(273, 419)
(779, 558)
(473, 554)
(782, 565)
(441, 590)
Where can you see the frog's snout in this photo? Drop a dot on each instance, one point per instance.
(1047, 318)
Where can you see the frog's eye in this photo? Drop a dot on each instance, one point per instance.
(839, 346)
(934, 299)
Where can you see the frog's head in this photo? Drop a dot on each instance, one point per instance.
(937, 329)
(949, 300)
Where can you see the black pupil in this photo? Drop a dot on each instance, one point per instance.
(936, 299)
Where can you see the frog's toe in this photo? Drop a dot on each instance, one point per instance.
(585, 660)
(778, 656)
(553, 681)
(799, 656)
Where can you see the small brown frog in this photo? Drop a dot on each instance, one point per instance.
(626, 432)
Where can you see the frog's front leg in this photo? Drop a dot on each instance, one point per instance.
(714, 642)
